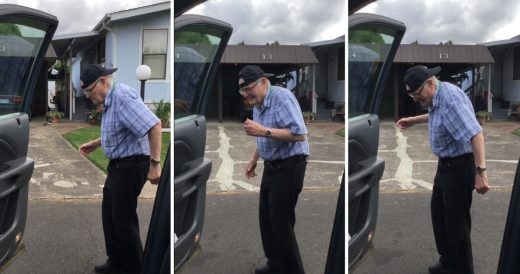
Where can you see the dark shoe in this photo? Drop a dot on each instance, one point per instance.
(268, 268)
(107, 267)
(439, 269)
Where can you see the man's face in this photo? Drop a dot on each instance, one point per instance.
(254, 92)
(424, 94)
(95, 92)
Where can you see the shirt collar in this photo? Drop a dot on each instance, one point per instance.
(108, 99)
(436, 98)
(267, 100)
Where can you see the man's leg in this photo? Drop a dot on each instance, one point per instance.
(285, 191)
(124, 212)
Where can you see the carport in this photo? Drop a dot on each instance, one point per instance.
(456, 61)
(293, 66)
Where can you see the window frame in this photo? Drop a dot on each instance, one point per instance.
(166, 56)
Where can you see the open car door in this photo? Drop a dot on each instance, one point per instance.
(25, 35)
(199, 44)
(372, 43)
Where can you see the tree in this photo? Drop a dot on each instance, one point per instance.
(9, 29)
(275, 43)
(365, 37)
(242, 43)
(447, 43)
(416, 42)
(188, 37)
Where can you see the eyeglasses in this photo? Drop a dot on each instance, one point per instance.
(247, 90)
(417, 94)
(93, 86)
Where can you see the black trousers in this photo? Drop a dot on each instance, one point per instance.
(450, 210)
(124, 182)
(282, 182)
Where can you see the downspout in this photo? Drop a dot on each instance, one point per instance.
(489, 95)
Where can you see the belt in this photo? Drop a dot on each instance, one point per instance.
(288, 159)
(457, 159)
(130, 159)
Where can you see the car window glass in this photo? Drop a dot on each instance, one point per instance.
(20, 42)
(195, 49)
(368, 49)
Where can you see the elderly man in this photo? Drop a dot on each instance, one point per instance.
(457, 139)
(281, 141)
(131, 139)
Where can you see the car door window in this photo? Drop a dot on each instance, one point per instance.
(369, 47)
(20, 42)
(195, 49)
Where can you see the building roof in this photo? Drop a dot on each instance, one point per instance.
(443, 54)
(78, 40)
(513, 40)
(131, 13)
(255, 54)
(339, 40)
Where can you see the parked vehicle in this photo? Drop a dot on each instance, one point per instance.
(373, 42)
(24, 39)
(196, 63)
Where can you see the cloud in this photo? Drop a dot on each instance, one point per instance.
(296, 22)
(81, 15)
(466, 22)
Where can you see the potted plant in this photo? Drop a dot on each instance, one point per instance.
(94, 116)
(162, 111)
(55, 116)
(483, 116)
(308, 116)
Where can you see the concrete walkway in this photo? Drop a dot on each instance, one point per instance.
(60, 171)
(411, 166)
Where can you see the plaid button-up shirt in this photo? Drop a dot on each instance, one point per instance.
(451, 122)
(125, 124)
(280, 110)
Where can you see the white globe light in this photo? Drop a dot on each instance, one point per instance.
(143, 72)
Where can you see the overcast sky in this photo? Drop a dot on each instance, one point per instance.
(288, 22)
(463, 22)
(80, 15)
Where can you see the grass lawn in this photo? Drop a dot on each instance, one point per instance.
(341, 132)
(517, 132)
(83, 135)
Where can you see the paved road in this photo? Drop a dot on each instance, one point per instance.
(231, 241)
(231, 237)
(66, 236)
(404, 240)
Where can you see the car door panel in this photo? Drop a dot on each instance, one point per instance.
(25, 37)
(373, 42)
(199, 44)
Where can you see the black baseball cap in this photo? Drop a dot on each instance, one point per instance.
(92, 72)
(249, 74)
(417, 75)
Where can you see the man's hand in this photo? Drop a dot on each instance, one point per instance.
(253, 128)
(154, 174)
(86, 148)
(481, 183)
(250, 171)
(404, 123)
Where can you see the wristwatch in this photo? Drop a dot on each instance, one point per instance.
(154, 162)
(480, 170)
(268, 132)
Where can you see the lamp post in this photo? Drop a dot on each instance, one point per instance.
(143, 73)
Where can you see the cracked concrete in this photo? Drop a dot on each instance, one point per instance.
(410, 165)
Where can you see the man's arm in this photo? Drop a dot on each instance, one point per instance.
(155, 139)
(479, 153)
(253, 128)
(86, 148)
(251, 165)
(407, 122)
